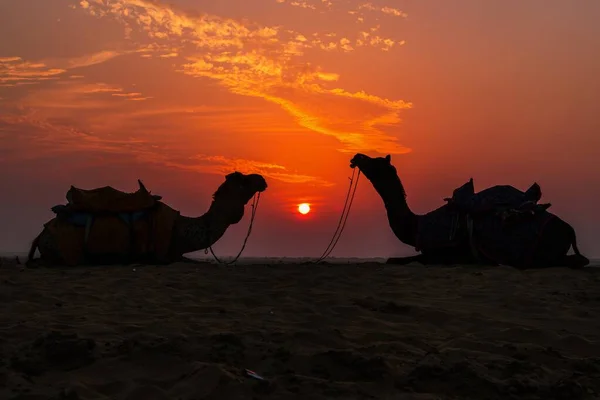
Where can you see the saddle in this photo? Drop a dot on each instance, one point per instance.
(445, 226)
(502, 199)
(103, 223)
(106, 200)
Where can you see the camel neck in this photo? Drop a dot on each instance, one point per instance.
(199, 233)
(400, 217)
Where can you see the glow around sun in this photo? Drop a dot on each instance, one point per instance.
(304, 208)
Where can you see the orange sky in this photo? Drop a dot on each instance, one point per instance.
(102, 92)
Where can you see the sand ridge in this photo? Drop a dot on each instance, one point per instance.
(358, 331)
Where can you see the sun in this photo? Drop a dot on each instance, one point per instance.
(304, 208)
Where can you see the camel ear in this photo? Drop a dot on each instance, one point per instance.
(233, 175)
(388, 158)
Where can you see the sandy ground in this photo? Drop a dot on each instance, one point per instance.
(313, 332)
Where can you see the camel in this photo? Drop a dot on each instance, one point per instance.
(498, 226)
(107, 226)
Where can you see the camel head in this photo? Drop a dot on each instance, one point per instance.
(237, 190)
(375, 169)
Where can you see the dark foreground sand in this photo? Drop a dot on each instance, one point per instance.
(315, 332)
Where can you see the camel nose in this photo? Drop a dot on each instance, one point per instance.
(260, 182)
(354, 160)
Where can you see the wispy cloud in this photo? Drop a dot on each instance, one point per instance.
(133, 96)
(15, 71)
(9, 59)
(222, 165)
(267, 62)
(383, 9)
(75, 94)
(54, 138)
(323, 6)
(71, 118)
(73, 109)
(93, 59)
(301, 4)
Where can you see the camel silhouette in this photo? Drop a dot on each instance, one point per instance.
(107, 226)
(499, 225)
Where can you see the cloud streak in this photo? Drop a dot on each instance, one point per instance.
(395, 12)
(52, 139)
(15, 71)
(222, 165)
(70, 118)
(267, 62)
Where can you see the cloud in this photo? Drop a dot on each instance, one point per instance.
(323, 6)
(49, 137)
(76, 94)
(71, 114)
(133, 96)
(169, 55)
(222, 165)
(385, 10)
(9, 59)
(393, 11)
(93, 59)
(71, 118)
(267, 62)
(138, 98)
(15, 71)
(302, 4)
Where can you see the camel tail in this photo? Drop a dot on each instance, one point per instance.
(577, 260)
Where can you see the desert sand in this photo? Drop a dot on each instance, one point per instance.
(357, 331)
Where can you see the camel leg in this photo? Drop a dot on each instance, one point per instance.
(32, 249)
(444, 257)
(187, 260)
(48, 253)
(406, 260)
(574, 261)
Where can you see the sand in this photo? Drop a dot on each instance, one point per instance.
(313, 332)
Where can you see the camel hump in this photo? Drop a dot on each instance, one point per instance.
(110, 200)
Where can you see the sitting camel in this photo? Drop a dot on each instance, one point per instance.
(107, 226)
(499, 225)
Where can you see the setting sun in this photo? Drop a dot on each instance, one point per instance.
(304, 208)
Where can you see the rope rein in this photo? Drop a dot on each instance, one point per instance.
(343, 218)
(252, 215)
(336, 235)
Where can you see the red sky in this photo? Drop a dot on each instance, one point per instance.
(102, 92)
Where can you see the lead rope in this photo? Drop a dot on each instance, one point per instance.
(343, 218)
(252, 215)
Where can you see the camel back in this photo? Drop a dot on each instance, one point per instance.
(494, 211)
(109, 200)
(106, 225)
